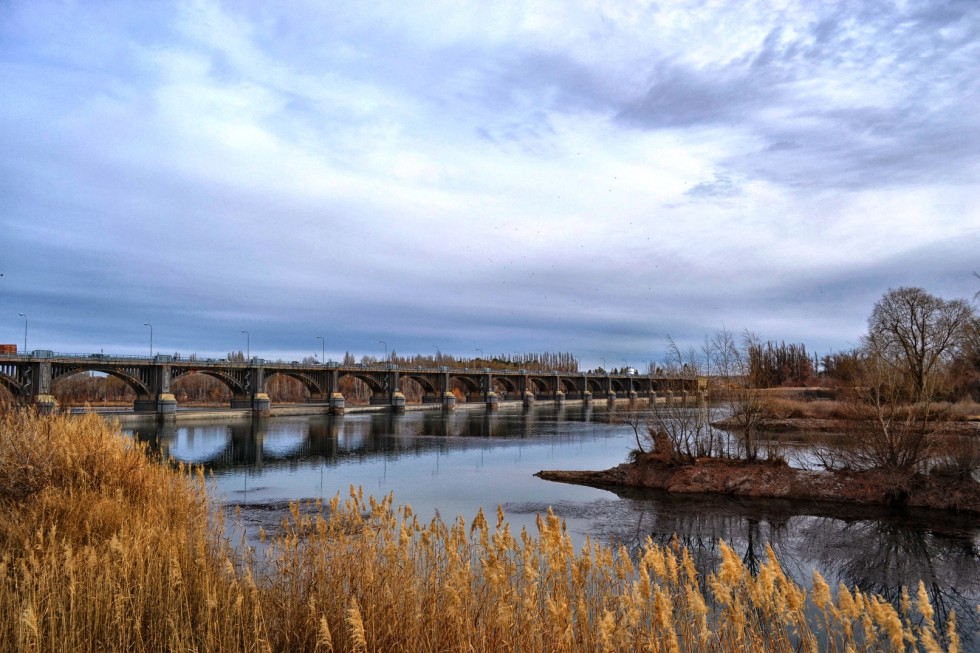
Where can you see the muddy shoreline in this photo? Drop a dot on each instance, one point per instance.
(779, 481)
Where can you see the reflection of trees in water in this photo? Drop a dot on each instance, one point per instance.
(861, 547)
(880, 557)
(699, 523)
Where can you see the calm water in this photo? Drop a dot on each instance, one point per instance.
(454, 464)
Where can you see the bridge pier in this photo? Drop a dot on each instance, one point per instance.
(164, 405)
(337, 403)
(259, 403)
(45, 404)
(448, 401)
(397, 402)
(587, 399)
(559, 398)
(493, 402)
(528, 399)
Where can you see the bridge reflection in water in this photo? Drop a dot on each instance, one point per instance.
(454, 463)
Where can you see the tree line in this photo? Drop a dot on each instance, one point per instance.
(896, 391)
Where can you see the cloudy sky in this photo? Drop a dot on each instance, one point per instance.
(549, 176)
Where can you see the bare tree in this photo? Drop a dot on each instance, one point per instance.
(895, 412)
(635, 418)
(916, 334)
(888, 431)
(745, 405)
(679, 430)
(683, 429)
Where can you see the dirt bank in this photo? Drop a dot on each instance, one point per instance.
(781, 481)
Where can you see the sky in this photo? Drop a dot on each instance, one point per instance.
(585, 177)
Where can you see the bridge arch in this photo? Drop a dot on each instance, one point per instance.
(568, 385)
(308, 383)
(59, 373)
(12, 387)
(538, 385)
(427, 385)
(595, 386)
(374, 384)
(467, 383)
(237, 387)
(623, 386)
(508, 384)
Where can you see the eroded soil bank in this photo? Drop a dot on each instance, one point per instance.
(772, 480)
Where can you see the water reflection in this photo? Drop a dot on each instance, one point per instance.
(454, 464)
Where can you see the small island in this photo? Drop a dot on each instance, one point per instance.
(762, 479)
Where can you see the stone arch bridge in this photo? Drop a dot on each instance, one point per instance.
(30, 379)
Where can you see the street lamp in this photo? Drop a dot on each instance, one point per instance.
(151, 337)
(24, 315)
(382, 342)
(481, 353)
(248, 345)
(438, 353)
(603, 364)
(322, 349)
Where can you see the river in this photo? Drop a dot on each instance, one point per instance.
(453, 464)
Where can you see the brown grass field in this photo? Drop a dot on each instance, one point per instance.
(104, 549)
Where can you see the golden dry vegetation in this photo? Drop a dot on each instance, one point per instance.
(103, 549)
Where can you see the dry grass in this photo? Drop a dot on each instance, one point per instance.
(107, 551)
(781, 407)
(786, 408)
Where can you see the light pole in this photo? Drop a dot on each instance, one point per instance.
(151, 337)
(382, 342)
(604, 365)
(322, 349)
(248, 345)
(438, 353)
(24, 315)
(481, 353)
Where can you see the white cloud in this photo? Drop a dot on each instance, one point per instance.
(595, 173)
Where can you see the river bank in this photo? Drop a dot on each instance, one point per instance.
(102, 548)
(779, 481)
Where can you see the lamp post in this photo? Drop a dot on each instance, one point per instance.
(147, 324)
(24, 315)
(481, 353)
(248, 345)
(438, 354)
(382, 342)
(322, 349)
(604, 365)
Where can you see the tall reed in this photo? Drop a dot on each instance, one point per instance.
(103, 549)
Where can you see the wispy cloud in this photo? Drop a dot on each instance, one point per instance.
(550, 176)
